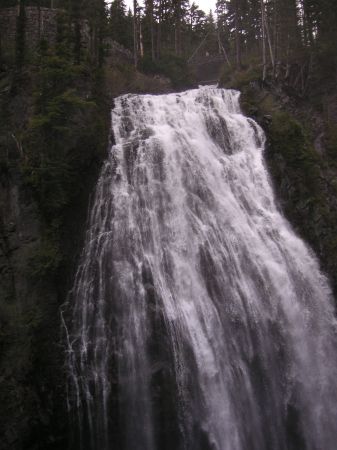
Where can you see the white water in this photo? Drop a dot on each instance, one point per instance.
(199, 319)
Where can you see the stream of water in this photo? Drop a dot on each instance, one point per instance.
(198, 319)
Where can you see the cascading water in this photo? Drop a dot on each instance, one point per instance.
(199, 320)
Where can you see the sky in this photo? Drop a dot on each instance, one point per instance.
(206, 5)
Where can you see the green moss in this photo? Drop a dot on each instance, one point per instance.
(331, 143)
(46, 259)
(288, 138)
(17, 327)
(238, 79)
(171, 66)
(301, 181)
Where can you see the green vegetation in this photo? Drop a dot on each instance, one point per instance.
(305, 184)
(331, 143)
(170, 66)
(65, 138)
(278, 33)
(54, 127)
(234, 78)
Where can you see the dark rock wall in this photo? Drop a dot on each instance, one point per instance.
(301, 155)
(33, 410)
(30, 358)
(40, 24)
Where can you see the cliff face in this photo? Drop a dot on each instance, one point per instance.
(30, 363)
(40, 23)
(45, 184)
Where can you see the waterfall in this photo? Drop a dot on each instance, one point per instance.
(198, 320)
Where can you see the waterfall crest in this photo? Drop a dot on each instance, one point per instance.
(199, 320)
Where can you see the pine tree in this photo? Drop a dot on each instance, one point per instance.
(20, 35)
(118, 23)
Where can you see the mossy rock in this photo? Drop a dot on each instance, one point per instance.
(301, 182)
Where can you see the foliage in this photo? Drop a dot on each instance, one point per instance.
(331, 143)
(62, 119)
(282, 33)
(304, 174)
(46, 259)
(171, 66)
(237, 79)
(288, 139)
(120, 24)
(20, 35)
(64, 138)
(163, 35)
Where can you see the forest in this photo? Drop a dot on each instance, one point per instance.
(269, 33)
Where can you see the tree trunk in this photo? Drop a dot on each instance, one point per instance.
(269, 41)
(264, 59)
(177, 27)
(20, 43)
(237, 35)
(141, 47)
(153, 56)
(160, 12)
(39, 20)
(135, 39)
(275, 34)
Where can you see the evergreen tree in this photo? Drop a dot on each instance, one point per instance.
(119, 23)
(20, 35)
